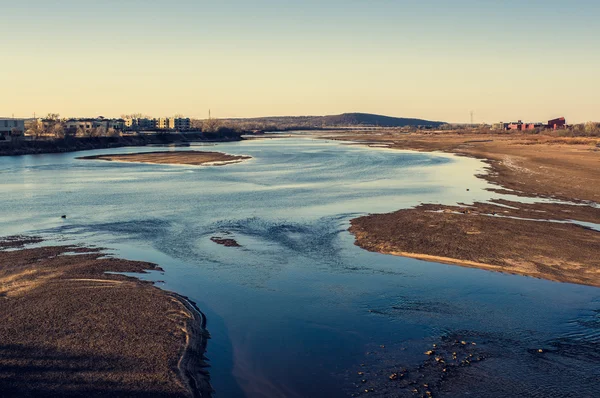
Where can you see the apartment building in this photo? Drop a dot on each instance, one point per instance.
(162, 123)
(182, 124)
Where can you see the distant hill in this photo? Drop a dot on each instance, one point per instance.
(367, 119)
(331, 121)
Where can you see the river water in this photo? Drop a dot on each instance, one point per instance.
(299, 310)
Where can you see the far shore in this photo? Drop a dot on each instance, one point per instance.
(539, 239)
(191, 158)
(70, 328)
(76, 144)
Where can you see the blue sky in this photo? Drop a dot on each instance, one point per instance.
(433, 59)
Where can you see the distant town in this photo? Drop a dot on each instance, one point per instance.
(53, 126)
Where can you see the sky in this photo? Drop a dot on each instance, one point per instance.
(433, 59)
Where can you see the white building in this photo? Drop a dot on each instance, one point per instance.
(11, 127)
(80, 124)
(89, 124)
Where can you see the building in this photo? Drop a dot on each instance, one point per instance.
(557, 124)
(116, 124)
(11, 128)
(146, 124)
(170, 123)
(139, 124)
(500, 126)
(74, 126)
(182, 124)
(515, 126)
(161, 123)
(80, 124)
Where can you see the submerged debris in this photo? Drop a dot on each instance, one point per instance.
(227, 242)
(425, 379)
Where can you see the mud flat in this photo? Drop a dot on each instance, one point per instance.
(69, 328)
(479, 237)
(192, 158)
(538, 239)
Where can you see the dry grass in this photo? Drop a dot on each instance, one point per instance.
(70, 329)
(193, 158)
(475, 237)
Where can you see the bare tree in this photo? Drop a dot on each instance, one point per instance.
(93, 132)
(36, 129)
(99, 131)
(210, 125)
(58, 130)
(135, 116)
(80, 132)
(592, 128)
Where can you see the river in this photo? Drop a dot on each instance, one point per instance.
(299, 310)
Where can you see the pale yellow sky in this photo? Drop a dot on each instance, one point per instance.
(78, 62)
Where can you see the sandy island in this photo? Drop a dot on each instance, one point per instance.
(518, 239)
(70, 329)
(192, 158)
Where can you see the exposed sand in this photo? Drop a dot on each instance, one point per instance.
(192, 158)
(70, 329)
(472, 237)
(490, 236)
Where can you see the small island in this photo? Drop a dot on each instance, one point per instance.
(192, 158)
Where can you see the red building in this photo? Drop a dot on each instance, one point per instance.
(556, 124)
(515, 125)
(520, 126)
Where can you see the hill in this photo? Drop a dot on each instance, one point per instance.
(367, 119)
(347, 120)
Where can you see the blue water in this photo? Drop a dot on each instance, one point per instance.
(298, 308)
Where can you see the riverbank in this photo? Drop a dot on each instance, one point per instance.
(521, 238)
(531, 165)
(70, 328)
(74, 144)
(192, 158)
